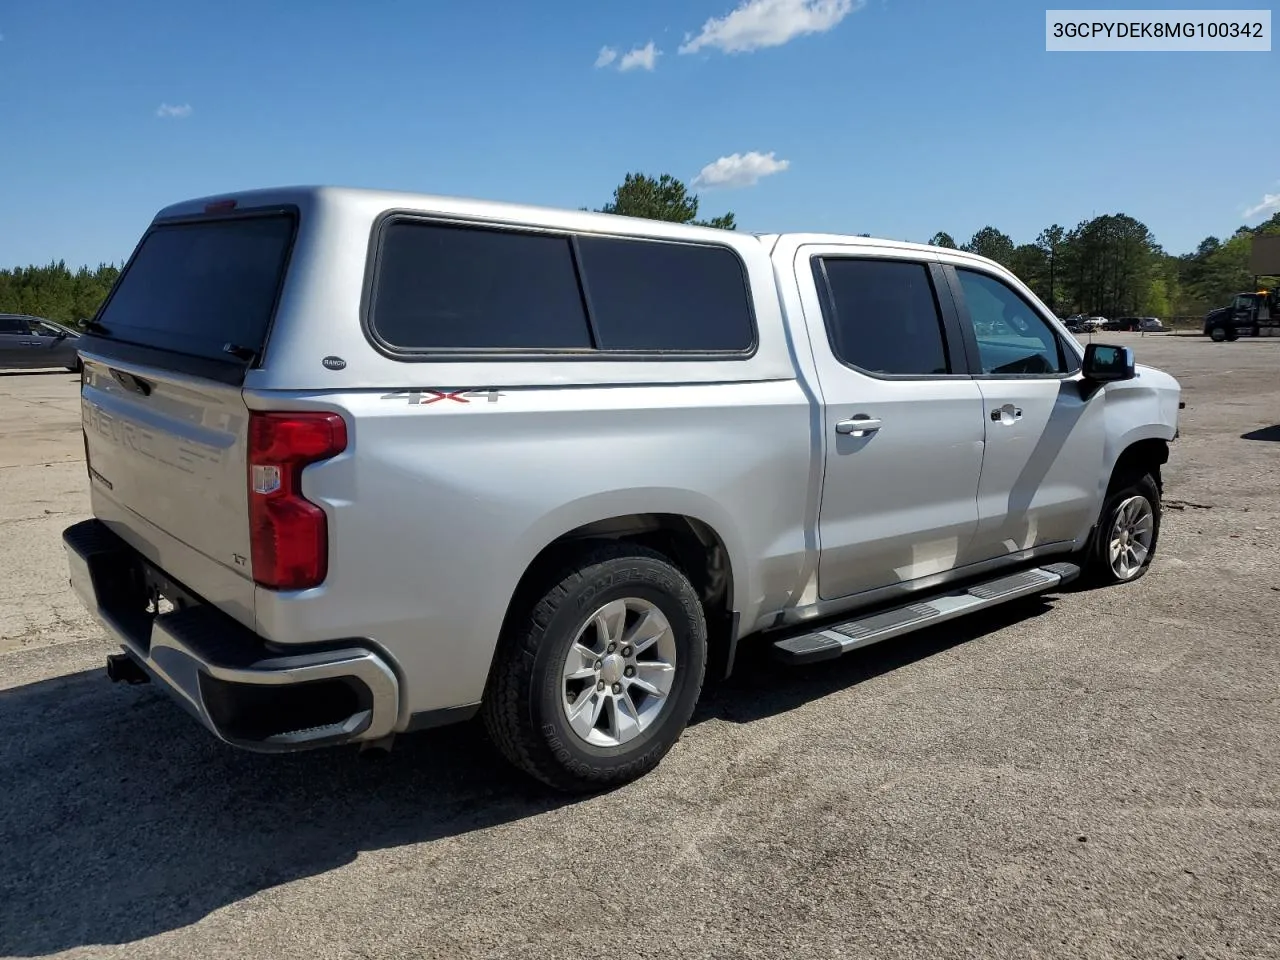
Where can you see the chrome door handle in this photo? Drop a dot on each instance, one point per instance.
(857, 427)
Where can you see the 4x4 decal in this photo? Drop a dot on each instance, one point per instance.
(423, 396)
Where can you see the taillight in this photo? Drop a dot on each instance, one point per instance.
(289, 536)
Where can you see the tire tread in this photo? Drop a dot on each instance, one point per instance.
(506, 709)
(1096, 567)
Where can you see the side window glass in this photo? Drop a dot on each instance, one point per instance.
(13, 325)
(464, 288)
(883, 317)
(659, 296)
(1012, 337)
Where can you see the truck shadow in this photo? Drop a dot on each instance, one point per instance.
(41, 372)
(761, 688)
(1266, 434)
(122, 819)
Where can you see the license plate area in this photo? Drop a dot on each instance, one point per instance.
(165, 595)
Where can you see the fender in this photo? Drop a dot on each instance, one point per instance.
(611, 504)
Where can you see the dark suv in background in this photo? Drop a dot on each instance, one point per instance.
(31, 342)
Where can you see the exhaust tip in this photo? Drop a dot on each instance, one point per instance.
(122, 668)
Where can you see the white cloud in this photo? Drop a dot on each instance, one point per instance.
(640, 58)
(755, 24)
(1270, 202)
(176, 112)
(739, 170)
(606, 57)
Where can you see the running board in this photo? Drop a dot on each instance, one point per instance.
(837, 639)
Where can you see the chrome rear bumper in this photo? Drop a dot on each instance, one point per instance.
(245, 691)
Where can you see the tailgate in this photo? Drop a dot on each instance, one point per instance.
(165, 423)
(171, 453)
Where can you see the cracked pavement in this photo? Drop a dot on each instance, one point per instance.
(1094, 774)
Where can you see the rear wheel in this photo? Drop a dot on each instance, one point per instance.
(594, 684)
(1124, 541)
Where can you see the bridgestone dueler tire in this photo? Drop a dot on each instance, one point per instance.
(522, 705)
(1097, 565)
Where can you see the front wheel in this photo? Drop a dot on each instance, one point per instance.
(595, 683)
(1217, 334)
(1124, 542)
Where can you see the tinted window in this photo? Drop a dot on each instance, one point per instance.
(1012, 337)
(884, 317)
(195, 287)
(13, 325)
(657, 296)
(447, 287)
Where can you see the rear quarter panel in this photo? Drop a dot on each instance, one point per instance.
(438, 508)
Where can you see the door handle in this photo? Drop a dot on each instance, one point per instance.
(857, 426)
(999, 413)
(29, 343)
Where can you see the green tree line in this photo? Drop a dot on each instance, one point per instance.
(1112, 266)
(1109, 266)
(55, 292)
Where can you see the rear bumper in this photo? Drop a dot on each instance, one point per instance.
(246, 692)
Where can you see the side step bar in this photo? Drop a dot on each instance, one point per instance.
(837, 639)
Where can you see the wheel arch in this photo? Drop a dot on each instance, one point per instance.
(691, 543)
(1144, 454)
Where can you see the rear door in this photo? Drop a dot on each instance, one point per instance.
(903, 421)
(164, 419)
(15, 342)
(1043, 463)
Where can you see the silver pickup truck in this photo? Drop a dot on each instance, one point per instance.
(363, 463)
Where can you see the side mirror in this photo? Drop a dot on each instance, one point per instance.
(1105, 364)
(62, 335)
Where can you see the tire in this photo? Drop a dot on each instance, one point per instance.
(1138, 496)
(607, 597)
(1217, 334)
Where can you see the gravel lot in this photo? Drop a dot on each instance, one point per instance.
(1093, 775)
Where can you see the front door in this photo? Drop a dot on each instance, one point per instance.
(1042, 473)
(903, 430)
(51, 347)
(1244, 308)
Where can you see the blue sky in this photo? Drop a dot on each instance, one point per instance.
(891, 117)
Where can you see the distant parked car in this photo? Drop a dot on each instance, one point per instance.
(32, 342)
(1135, 324)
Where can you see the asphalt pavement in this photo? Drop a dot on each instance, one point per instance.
(1094, 774)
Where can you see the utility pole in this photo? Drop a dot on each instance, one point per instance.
(1053, 255)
